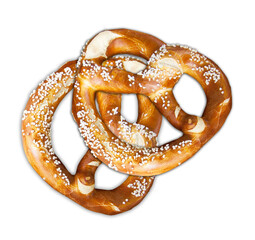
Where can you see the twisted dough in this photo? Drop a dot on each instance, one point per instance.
(165, 66)
(80, 187)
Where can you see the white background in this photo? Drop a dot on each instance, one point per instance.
(209, 197)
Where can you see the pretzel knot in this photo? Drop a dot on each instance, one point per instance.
(166, 64)
(103, 72)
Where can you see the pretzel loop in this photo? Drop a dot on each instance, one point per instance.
(81, 186)
(165, 66)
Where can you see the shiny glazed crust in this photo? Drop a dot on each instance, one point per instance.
(102, 74)
(80, 187)
(166, 64)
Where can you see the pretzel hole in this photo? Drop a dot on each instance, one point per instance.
(190, 95)
(106, 178)
(66, 140)
(129, 107)
(97, 106)
(167, 132)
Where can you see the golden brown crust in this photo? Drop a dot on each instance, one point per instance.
(125, 147)
(156, 81)
(81, 186)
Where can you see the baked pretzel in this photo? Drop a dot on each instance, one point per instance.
(80, 187)
(166, 64)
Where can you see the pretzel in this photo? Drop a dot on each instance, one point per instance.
(80, 187)
(166, 64)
